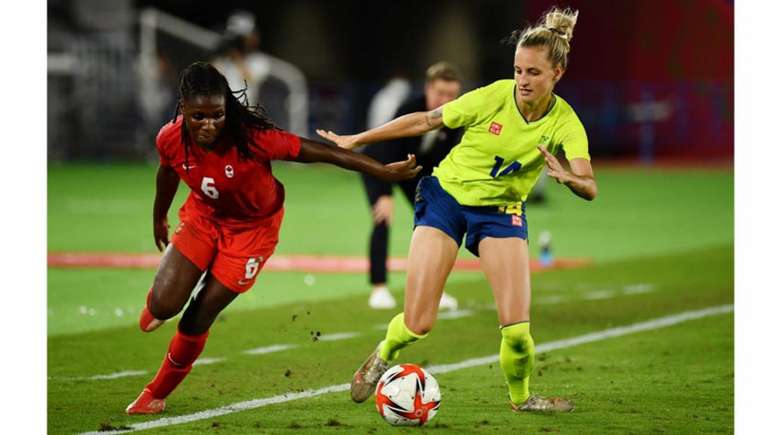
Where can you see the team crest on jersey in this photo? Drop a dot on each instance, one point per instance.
(229, 171)
(495, 128)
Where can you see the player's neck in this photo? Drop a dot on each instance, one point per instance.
(534, 110)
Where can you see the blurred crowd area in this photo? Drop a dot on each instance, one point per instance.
(650, 79)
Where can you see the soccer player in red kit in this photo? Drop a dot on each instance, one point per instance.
(229, 225)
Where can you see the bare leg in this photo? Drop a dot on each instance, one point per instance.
(505, 262)
(172, 286)
(205, 307)
(431, 258)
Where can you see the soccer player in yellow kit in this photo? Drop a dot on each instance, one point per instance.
(513, 128)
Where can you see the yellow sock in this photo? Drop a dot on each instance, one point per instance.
(517, 357)
(398, 336)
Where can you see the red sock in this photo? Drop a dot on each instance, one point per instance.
(183, 351)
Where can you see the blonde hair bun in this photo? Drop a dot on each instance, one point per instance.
(561, 21)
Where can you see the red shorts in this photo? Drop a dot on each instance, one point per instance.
(234, 256)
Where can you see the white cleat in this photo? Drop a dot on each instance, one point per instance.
(448, 302)
(381, 299)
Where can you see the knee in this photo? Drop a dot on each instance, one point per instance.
(193, 326)
(162, 307)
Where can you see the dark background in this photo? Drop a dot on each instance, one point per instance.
(651, 80)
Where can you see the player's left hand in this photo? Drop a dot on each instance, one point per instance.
(404, 170)
(344, 141)
(554, 169)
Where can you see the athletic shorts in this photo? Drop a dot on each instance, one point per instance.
(434, 207)
(234, 256)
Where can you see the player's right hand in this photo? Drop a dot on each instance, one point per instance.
(398, 171)
(161, 233)
(347, 141)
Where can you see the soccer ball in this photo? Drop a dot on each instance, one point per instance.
(407, 395)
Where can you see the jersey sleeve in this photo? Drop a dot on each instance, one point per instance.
(162, 139)
(279, 144)
(471, 106)
(462, 112)
(574, 140)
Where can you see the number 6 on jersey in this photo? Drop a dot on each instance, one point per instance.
(208, 187)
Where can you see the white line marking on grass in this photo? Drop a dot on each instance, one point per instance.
(455, 314)
(658, 323)
(338, 336)
(548, 300)
(116, 375)
(206, 361)
(636, 289)
(600, 294)
(269, 349)
(382, 326)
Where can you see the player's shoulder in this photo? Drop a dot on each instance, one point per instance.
(565, 112)
(504, 86)
(170, 132)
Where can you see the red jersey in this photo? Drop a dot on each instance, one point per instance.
(224, 185)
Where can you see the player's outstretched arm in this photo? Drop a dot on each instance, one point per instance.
(579, 179)
(312, 152)
(412, 124)
(167, 181)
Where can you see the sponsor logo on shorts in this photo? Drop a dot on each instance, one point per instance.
(495, 128)
(516, 220)
(229, 171)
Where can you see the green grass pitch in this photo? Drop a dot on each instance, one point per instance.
(660, 240)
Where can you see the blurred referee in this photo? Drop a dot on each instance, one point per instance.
(442, 84)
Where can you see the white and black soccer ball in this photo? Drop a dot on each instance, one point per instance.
(407, 395)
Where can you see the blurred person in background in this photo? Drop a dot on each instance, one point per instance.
(229, 225)
(442, 84)
(242, 63)
(513, 128)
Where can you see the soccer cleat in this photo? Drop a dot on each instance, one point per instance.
(149, 323)
(542, 404)
(367, 376)
(381, 299)
(146, 404)
(448, 302)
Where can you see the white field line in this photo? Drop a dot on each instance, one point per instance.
(207, 361)
(546, 300)
(116, 375)
(338, 336)
(636, 289)
(661, 322)
(454, 314)
(599, 294)
(269, 349)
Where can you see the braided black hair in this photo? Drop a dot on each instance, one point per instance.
(202, 79)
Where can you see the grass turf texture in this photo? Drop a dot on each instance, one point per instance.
(661, 241)
(638, 212)
(672, 380)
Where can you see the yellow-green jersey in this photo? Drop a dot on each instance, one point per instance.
(497, 162)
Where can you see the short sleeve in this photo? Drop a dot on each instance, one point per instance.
(279, 144)
(161, 139)
(574, 141)
(462, 112)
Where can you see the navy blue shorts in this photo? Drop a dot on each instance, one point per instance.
(433, 207)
